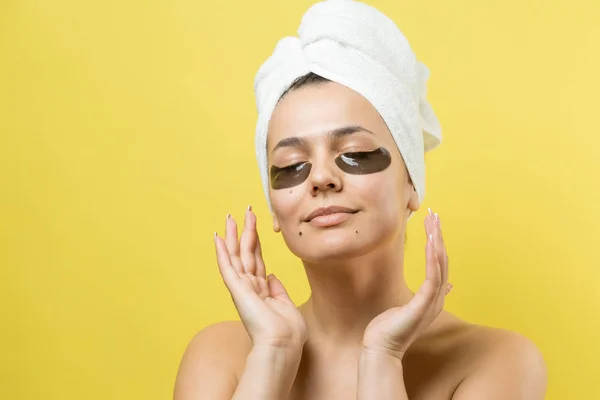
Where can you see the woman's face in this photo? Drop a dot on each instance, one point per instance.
(314, 129)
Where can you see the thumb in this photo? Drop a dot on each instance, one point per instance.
(276, 289)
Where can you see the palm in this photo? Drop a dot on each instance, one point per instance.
(268, 313)
(395, 329)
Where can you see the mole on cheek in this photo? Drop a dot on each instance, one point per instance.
(300, 233)
(356, 232)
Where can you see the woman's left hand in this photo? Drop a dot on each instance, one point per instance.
(394, 330)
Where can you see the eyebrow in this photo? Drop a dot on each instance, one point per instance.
(334, 134)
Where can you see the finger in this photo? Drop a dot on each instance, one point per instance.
(439, 254)
(276, 289)
(255, 282)
(445, 286)
(448, 288)
(438, 245)
(232, 244)
(228, 273)
(431, 223)
(247, 301)
(437, 294)
(431, 251)
(263, 287)
(280, 307)
(433, 274)
(440, 248)
(427, 294)
(248, 243)
(261, 270)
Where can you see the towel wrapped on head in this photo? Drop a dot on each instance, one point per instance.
(357, 46)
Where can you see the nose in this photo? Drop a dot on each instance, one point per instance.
(325, 176)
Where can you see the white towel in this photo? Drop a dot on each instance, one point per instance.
(358, 46)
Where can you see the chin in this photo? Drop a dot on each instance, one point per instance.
(339, 243)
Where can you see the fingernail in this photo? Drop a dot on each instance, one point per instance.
(429, 210)
(437, 218)
(215, 235)
(228, 216)
(449, 288)
(431, 238)
(249, 208)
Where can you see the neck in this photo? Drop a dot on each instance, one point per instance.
(347, 295)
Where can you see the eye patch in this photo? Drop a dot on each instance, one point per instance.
(364, 162)
(355, 163)
(289, 176)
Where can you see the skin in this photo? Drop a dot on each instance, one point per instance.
(362, 333)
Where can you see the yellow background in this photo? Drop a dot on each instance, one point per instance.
(127, 135)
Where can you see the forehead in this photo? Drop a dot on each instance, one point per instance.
(314, 110)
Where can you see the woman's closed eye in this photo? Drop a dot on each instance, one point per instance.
(364, 162)
(289, 176)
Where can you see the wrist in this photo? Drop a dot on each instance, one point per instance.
(284, 346)
(382, 353)
(269, 373)
(380, 375)
(284, 354)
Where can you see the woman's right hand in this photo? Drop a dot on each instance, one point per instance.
(266, 310)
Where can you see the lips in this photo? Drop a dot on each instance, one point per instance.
(329, 211)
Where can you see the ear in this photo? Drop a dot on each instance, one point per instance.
(276, 226)
(413, 198)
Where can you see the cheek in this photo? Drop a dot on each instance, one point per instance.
(285, 202)
(378, 192)
(381, 197)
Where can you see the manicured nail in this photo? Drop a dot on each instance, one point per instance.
(249, 208)
(215, 235)
(228, 216)
(430, 213)
(437, 218)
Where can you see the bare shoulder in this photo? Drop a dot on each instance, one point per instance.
(499, 363)
(491, 345)
(225, 340)
(462, 361)
(211, 362)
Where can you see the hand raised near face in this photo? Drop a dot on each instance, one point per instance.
(394, 330)
(266, 310)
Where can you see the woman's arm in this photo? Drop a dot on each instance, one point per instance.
(271, 321)
(269, 374)
(208, 368)
(390, 334)
(380, 376)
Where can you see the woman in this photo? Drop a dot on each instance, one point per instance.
(342, 178)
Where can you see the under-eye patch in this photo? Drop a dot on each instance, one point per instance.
(356, 163)
(292, 175)
(364, 162)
